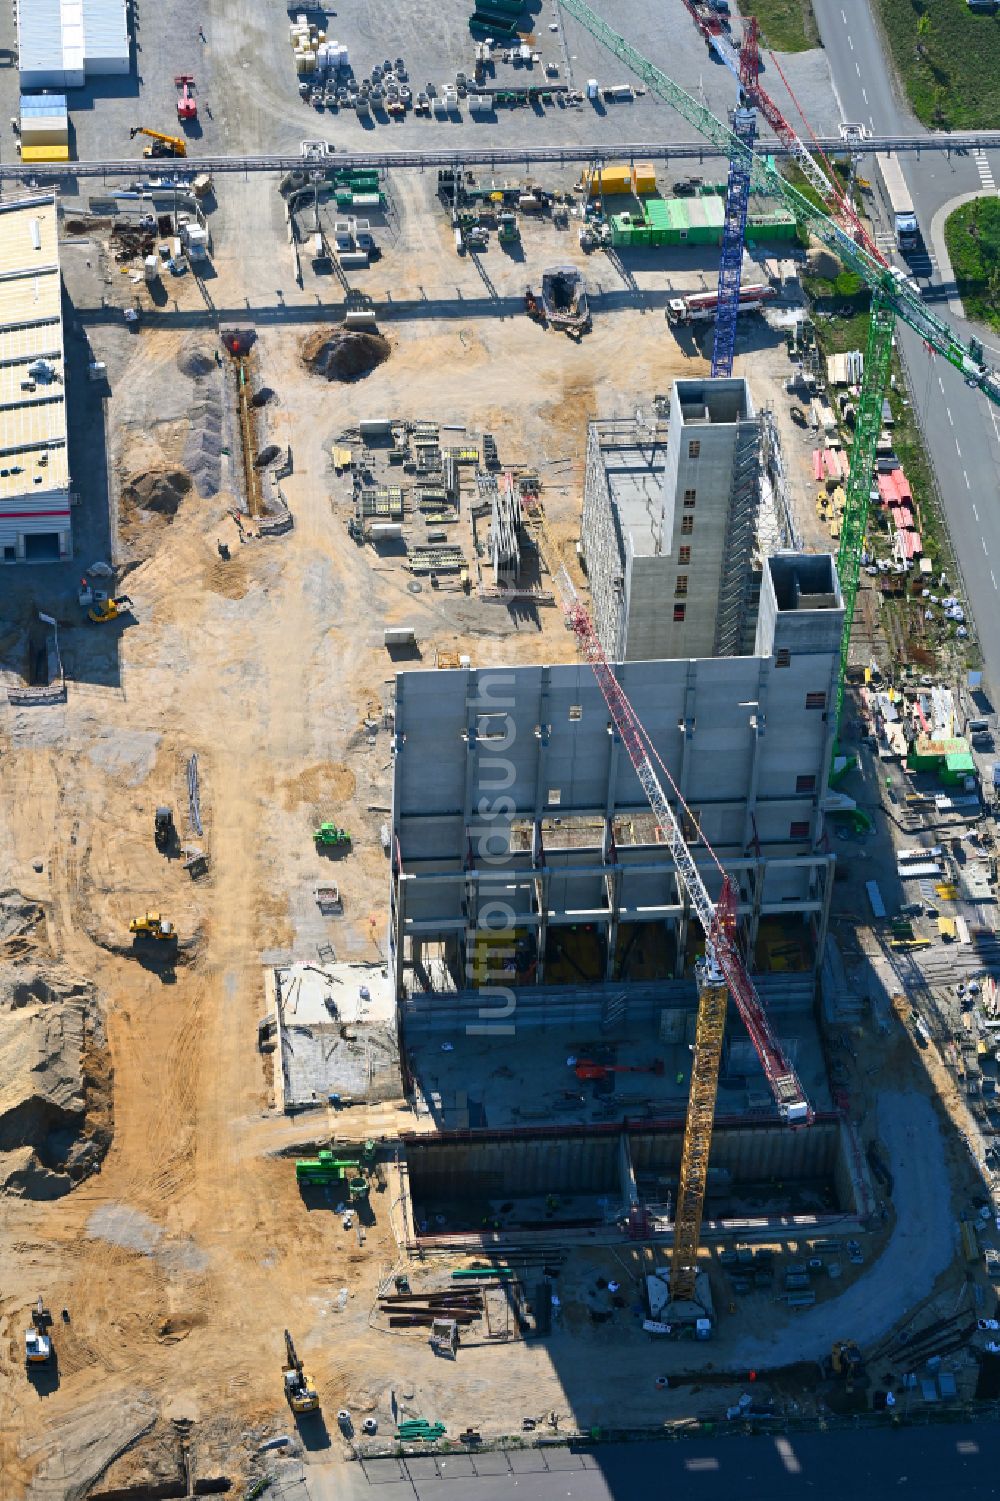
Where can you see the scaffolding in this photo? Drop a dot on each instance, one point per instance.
(740, 538)
(505, 527)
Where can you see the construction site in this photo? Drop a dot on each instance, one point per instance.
(498, 933)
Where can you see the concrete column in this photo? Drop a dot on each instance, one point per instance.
(757, 875)
(827, 868)
(613, 889)
(543, 743)
(756, 736)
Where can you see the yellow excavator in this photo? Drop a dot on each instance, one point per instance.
(302, 1396)
(109, 607)
(161, 143)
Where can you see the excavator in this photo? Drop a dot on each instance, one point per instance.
(847, 1362)
(109, 607)
(152, 925)
(162, 144)
(37, 1340)
(300, 1393)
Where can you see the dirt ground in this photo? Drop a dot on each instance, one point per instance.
(182, 1260)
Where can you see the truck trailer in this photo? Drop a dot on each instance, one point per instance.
(900, 204)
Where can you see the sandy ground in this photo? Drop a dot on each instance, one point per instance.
(182, 1261)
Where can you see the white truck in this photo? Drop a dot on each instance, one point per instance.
(900, 204)
(700, 307)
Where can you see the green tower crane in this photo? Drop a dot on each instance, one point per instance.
(891, 298)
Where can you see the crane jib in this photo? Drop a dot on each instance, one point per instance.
(765, 177)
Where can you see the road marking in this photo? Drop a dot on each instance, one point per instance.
(957, 449)
(950, 417)
(850, 41)
(941, 385)
(985, 548)
(857, 67)
(871, 122)
(975, 510)
(864, 95)
(966, 473)
(993, 577)
(788, 1456)
(843, 18)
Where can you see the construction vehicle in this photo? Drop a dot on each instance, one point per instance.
(702, 307)
(300, 1394)
(161, 143)
(109, 607)
(37, 1340)
(533, 307)
(163, 828)
(329, 835)
(585, 1068)
(326, 1170)
(152, 925)
(187, 105)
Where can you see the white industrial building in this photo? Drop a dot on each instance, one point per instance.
(62, 43)
(34, 461)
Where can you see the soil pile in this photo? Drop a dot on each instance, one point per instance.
(195, 360)
(55, 1103)
(159, 490)
(345, 354)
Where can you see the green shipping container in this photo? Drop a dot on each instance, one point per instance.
(492, 25)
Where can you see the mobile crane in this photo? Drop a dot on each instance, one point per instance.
(891, 298)
(162, 144)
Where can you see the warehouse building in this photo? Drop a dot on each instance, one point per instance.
(523, 845)
(63, 43)
(34, 462)
(669, 526)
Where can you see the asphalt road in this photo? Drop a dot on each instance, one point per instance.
(866, 1464)
(961, 428)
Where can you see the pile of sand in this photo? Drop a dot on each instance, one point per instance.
(159, 490)
(344, 354)
(54, 1086)
(196, 360)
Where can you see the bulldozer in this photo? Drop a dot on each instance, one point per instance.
(37, 1340)
(152, 925)
(300, 1393)
(109, 607)
(329, 835)
(161, 143)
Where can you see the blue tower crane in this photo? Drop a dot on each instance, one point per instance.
(733, 232)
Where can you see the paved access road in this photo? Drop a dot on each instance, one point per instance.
(961, 428)
(866, 1465)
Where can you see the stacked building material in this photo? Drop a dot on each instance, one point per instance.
(44, 131)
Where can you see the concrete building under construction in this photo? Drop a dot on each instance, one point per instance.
(519, 823)
(670, 525)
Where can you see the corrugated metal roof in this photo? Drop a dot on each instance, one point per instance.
(105, 29)
(32, 423)
(57, 38)
(43, 104)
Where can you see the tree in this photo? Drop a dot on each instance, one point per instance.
(923, 34)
